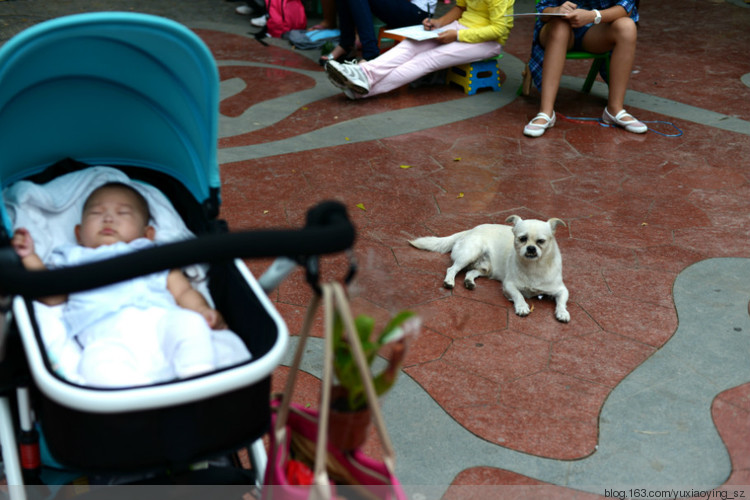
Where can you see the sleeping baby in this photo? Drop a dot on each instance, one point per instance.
(148, 329)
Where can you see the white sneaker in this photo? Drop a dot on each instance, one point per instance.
(259, 21)
(349, 74)
(244, 10)
(336, 83)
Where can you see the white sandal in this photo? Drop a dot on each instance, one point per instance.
(537, 129)
(630, 125)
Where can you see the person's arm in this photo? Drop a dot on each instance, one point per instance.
(447, 18)
(564, 8)
(582, 17)
(498, 24)
(23, 244)
(188, 297)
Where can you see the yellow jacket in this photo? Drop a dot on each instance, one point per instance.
(485, 20)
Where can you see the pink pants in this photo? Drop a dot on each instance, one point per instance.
(410, 60)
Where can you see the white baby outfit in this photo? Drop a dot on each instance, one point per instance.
(132, 332)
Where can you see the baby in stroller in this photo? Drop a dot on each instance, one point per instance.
(145, 330)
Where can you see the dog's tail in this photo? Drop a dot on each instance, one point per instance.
(436, 243)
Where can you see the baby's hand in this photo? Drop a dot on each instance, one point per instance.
(214, 319)
(22, 242)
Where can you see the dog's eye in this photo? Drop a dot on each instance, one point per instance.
(523, 239)
(541, 242)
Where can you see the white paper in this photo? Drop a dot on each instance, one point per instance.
(416, 32)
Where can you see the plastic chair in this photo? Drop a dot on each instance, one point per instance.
(596, 64)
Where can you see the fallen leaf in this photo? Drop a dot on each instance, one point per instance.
(460, 195)
(346, 138)
(405, 166)
(265, 211)
(458, 158)
(361, 206)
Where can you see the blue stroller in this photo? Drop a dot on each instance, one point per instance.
(137, 94)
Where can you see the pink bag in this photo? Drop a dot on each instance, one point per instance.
(304, 433)
(285, 15)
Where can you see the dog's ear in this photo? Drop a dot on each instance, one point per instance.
(554, 222)
(513, 219)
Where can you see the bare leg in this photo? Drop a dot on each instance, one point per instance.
(557, 38)
(619, 37)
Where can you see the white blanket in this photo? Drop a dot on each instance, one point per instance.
(50, 213)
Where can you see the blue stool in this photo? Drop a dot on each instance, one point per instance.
(475, 76)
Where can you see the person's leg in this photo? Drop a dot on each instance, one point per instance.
(557, 38)
(397, 13)
(619, 37)
(123, 350)
(329, 14)
(416, 59)
(363, 21)
(347, 36)
(186, 342)
(346, 25)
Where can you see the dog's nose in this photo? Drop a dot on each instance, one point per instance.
(531, 251)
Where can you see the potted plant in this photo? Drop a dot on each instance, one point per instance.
(350, 414)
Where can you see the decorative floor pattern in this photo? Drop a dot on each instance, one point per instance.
(639, 211)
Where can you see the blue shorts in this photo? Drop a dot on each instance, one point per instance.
(578, 36)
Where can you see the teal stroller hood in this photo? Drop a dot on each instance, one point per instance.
(110, 89)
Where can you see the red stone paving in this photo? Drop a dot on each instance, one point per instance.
(638, 208)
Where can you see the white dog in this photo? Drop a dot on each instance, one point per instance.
(525, 258)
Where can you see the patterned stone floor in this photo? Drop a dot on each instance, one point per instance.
(639, 210)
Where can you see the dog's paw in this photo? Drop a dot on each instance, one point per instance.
(470, 285)
(523, 309)
(562, 315)
(448, 285)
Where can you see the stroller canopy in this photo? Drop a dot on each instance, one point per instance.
(110, 89)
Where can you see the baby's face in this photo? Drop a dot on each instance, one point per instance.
(112, 215)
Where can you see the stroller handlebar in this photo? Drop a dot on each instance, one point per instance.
(328, 230)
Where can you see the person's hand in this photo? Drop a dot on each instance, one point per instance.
(22, 242)
(448, 36)
(430, 24)
(580, 17)
(567, 8)
(214, 319)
